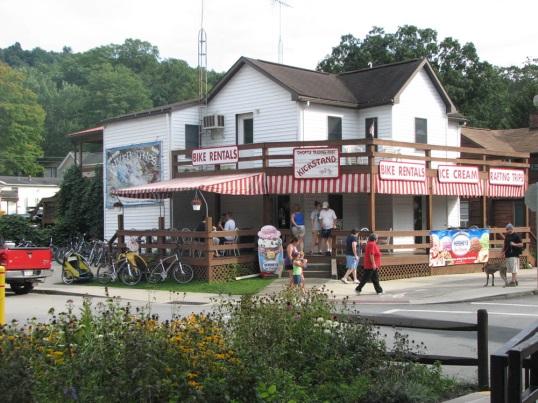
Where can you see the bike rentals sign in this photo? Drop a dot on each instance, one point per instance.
(453, 247)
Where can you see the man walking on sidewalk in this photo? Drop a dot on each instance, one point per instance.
(372, 263)
(513, 246)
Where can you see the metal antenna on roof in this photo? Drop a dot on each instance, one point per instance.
(280, 3)
(202, 73)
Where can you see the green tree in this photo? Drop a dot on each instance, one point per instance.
(478, 89)
(521, 91)
(21, 125)
(93, 205)
(114, 90)
(71, 204)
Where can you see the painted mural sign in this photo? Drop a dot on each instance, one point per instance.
(510, 177)
(270, 252)
(132, 165)
(406, 171)
(216, 155)
(316, 162)
(458, 174)
(454, 247)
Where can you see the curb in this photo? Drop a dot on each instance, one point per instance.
(485, 298)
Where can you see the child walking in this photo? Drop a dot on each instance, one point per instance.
(299, 263)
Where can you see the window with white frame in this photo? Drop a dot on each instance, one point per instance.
(464, 213)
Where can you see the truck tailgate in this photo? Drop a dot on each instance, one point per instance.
(26, 258)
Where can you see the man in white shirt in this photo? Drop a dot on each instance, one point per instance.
(327, 219)
(229, 225)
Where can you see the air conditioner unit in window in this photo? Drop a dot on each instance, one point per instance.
(213, 122)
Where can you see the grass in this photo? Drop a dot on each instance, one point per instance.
(248, 286)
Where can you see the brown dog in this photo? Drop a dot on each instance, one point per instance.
(491, 268)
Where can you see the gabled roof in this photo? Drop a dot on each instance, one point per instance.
(486, 138)
(155, 111)
(524, 139)
(363, 88)
(520, 140)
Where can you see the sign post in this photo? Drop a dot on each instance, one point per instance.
(531, 201)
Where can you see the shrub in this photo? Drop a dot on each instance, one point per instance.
(261, 349)
(16, 228)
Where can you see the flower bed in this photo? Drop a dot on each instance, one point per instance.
(280, 348)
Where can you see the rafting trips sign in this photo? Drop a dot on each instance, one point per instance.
(215, 155)
(510, 177)
(402, 171)
(312, 162)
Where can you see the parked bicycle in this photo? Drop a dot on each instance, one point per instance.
(129, 267)
(182, 273)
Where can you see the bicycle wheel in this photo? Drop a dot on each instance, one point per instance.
(105, 274)
(182, 273)
(129, 274)
(157, 274)
(67, 277)
(59, 254)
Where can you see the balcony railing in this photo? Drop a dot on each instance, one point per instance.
(355, 154)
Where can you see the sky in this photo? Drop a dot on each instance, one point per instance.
(505, 33)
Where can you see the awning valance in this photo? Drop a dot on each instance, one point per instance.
(232, 184)
(457, 189)
(401, 187)
(346, 183)
(506, 191)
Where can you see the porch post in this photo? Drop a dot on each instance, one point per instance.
(484, 198)
(373, 177)
(208, 242)
(429, 212)
(121, 238)
(161, 239)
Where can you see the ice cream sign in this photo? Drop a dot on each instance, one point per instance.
(453, 247)
(270, 253)
(457, 174)
(510, 177)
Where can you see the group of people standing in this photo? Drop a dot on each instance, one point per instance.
(322, 220)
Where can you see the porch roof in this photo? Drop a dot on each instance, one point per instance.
(232, 184)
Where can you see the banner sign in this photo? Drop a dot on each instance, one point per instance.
(317, 162)
(406, 171)
(132, 165)
(270, 252)
(457, 174)
(453, 247)
(511, 177)
(217, 155)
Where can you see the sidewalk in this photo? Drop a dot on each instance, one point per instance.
(421, 290)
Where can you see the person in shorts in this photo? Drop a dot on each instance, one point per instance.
(299, 263)
(352, 256)
(297, 226)
(316, 227)
(327, 218)
(513, 246)
(291, 253)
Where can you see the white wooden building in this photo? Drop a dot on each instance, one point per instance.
(267, 102)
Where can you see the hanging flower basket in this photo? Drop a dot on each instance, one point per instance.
(196, 204)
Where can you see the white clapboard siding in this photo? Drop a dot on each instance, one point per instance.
(420, 99)
(445, 212)
(403, 218)
(275, 115)
(180, 118)
(136, 131)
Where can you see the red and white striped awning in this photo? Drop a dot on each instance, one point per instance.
(346, 183)
(401, 187)
(233, 184)
(506, 191)
(457, 189)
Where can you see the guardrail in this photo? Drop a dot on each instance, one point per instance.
(514, 368)
(481, 329)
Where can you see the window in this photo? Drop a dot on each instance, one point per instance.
(370, 128)
(334, 128)
(248, 131)
(464, 213)
(421, 131)
(336, 203)
(192, 139)
(519, 213)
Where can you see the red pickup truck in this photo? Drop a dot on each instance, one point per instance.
(25, 266)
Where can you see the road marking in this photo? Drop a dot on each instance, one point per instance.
(503, 304)
(459, 312)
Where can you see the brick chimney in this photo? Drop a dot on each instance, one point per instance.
(533, 120)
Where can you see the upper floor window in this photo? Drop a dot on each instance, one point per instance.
(421, 131)
(192, 136)
(245, 128)
(334, 125)
(370, 128)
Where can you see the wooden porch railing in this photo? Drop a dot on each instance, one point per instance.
(358, 153)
